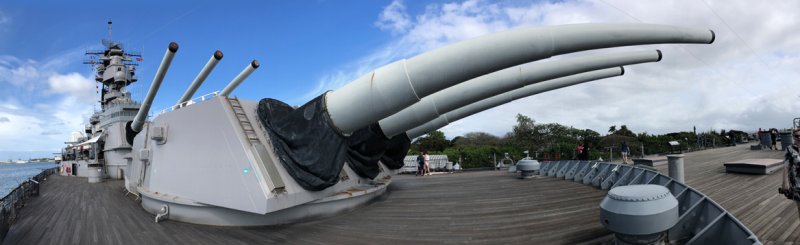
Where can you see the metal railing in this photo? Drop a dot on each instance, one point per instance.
(14, 201)
(187, 103)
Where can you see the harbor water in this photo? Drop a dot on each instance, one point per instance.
(11, 175)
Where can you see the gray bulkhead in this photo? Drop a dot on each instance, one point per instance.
(203, 157)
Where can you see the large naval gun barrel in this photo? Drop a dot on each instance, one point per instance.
(138, 121)
(395, 86)
(503, 81)
(506, 97)
(240, 78)
(315, 140)
(212, 62)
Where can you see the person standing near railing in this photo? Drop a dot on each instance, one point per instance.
(624, 150)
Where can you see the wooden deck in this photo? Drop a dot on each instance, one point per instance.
(753, 199)
(470, 207)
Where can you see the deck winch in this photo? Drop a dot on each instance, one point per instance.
(527, 168)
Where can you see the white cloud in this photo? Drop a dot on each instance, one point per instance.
(424, 33)
(40, 103)
(20, 131)
(20, 75)
(43, 127)
(9, 104)
(745, 80)
(394, 18)
(72, 84)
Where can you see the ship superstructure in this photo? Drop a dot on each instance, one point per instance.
(101, 152)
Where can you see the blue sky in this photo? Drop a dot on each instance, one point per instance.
(308, 47)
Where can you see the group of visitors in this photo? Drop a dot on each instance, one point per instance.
(583, 151)
(423, 163)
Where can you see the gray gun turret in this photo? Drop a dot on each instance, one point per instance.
(275, 163)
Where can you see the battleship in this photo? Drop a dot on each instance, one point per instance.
(218, 161)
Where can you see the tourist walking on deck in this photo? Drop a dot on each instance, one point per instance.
(791, 171)
(420, 164)
(624, 149)
(759, 136)
(427, 159)
(774, 133)
(585, 156)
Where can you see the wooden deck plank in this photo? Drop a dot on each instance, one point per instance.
(753, 199)
(470, 207)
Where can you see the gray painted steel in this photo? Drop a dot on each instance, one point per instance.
(239, 78)
(506, 97)
(393, 87)
(502, 81)
(94, 174)
(639, 209)
(212, 62)
(253, 187)
(138, 121)
(527, 168)
(675, 164)
(786, 140)
(115, 70)
(700, 219)
(766, 140)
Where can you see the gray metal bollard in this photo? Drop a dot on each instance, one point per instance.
(786, 140)
(675, 163)
(766, 140)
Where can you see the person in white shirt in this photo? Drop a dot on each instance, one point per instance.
(427, 162)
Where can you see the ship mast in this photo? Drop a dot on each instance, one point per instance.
(115, 69)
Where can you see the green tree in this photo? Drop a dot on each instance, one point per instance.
(433, 141)
(476, 139)
(624, 131)
(524, 132)
(612, 129)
